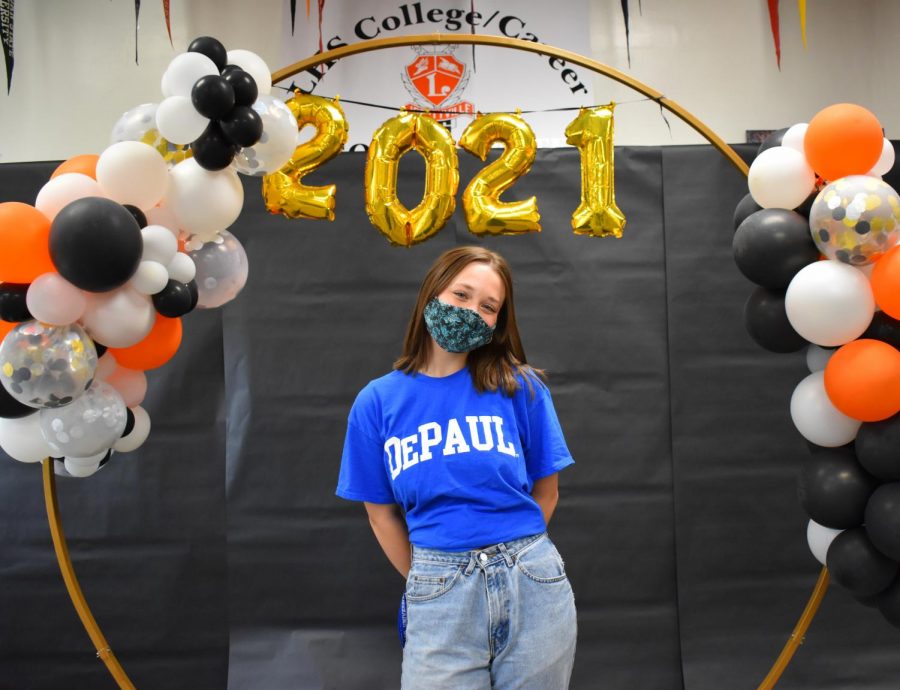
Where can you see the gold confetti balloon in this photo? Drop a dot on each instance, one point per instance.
(856, 219)
(47, 366)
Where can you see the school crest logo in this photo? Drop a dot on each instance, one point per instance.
(435, 80)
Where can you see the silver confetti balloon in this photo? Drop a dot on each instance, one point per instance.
(47, 366)
(855, 219)
(139, 124)
(88, 426)
(221, 270)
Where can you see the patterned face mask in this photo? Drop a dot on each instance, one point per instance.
(456, 329)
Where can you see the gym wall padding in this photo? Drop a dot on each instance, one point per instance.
(218, 555)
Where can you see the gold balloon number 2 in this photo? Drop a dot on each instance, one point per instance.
(591, 132)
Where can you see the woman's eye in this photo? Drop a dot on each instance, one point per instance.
(461, 295)
(490, 308)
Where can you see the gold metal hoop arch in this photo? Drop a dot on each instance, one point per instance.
(59, 541)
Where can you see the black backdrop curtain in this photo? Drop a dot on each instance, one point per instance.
(218, 556)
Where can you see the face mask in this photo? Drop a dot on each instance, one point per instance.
(456, 329)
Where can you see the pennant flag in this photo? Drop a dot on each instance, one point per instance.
(801, 6)
(168, 20)
(776, 30)
(7, 10)
(294, 13)
(472, 30)
(627, 30)
(321, 11)
(137, 14)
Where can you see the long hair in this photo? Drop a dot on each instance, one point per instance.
(495, 365)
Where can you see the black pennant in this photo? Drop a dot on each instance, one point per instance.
(293, 15)
(627, 30)
(7, 10)
(137, 14)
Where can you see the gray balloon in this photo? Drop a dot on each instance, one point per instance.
(221, 270)
(89, 425)
(47, 366)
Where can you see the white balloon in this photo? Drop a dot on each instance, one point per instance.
(162, 215)
(178, 121)
(159, 244)
(22, 438)
(54, 300)
(829, 303)
(138, 434)
(793, 138)
(819, 539)
(204, 202)
(165, 85)
(182, 268)
(278, 142)
(106, 365)
(817, 357)
(83, 467)
(184, 71)
(131, 384)
(133, 173)
(885, 161)
(119, 318)
(63, 190)
(780, 177)
(816, 418)
(255, 66)
(151, 277)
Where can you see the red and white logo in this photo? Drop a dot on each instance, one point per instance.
(436, 81)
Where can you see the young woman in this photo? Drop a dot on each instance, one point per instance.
(455, 454)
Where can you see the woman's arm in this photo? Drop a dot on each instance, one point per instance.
(546, 492)
(390, 531)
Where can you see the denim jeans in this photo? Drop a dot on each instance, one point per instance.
(499, 617)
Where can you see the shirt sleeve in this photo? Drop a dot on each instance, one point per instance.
(546, 452)
(363, 476)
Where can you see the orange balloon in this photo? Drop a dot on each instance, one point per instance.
(6, 327)
(24, 243)
(862, 380)
(886, 282)
(843, 139)
(156, 349)
(85, 164)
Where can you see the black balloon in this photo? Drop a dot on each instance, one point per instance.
(95, 244)
(243, 126)
(804, 208)
(244, 85)
(833, 487)
(889, 603)
(883, 328)
(767, 322)
(772, 245)
(138, 215)
(10, 408)
(12, 303)
(101, 349)
(745, 207)
(878, 448)
(855, 563)
(774, 139)
(105, 458)
(883, 519)
(211, 48)
(212, 150)
(175, 299)
(129, 422)
(212, 96)
(195, 294)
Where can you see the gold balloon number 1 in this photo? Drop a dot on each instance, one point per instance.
(591, 132)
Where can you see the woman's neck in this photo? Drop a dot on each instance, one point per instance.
(441, 363)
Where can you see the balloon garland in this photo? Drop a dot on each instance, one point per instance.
(117, 247)
(819, 233)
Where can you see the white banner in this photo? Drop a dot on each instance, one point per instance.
(457, 80)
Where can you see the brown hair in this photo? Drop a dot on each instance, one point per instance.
(492, 366)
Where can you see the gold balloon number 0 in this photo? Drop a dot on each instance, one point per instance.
(591, 132)
(283, 192)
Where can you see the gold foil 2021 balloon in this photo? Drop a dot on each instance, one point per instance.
(395, 137)
(283, 191)
(485, 213)
(855, 219)
(591, 132)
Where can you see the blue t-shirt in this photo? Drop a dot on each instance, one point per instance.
(460, 463)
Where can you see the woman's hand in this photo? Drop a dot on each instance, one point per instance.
(391, 532)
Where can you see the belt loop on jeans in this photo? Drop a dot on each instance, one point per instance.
(471, 564)
(506, 555)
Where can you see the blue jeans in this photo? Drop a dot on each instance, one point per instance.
(499, 617)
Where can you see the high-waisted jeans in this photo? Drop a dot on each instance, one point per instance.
(499, 617)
